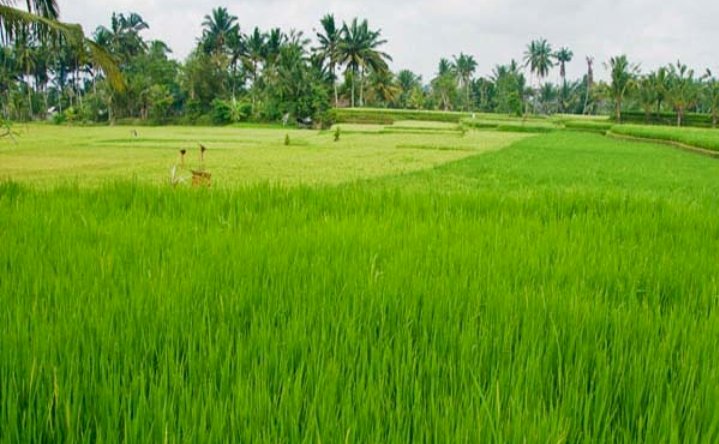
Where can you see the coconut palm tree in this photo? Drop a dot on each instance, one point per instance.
(275, 39)
(647, 94)
(661, 87)
(25, 57)
(384, 87)
(444, 86)
(219, 32)
(538, 58)
(590, 83)
(683, 90)
(511, 88)
(329, 41)
(548, 94)
(711, 96)
(445, 67)
(255, 46)
(221, 39)
(623, 75)
(122, 38)
(408, 82)
(563, 55)
(359, 50)
(466, 65)
(255, 51)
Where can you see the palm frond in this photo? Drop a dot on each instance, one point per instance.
(14, 21)
(106, 62)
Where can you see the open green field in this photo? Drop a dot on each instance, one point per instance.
(417, 283)
(47, 155)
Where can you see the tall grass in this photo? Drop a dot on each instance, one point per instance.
(133, 313)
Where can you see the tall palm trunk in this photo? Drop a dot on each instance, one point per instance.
(333, 70)
(466, 86)
(361, 96)
(564, 91)
(29, 101)
(46, 100)
(353, 88)
(590, 83)
(110, 113)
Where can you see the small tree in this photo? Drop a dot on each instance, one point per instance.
(465, 67)
(538, 57)
(647, 94)
(623, 74)
(563, 56)
(711, 96)
(683, 90)
(5, 128)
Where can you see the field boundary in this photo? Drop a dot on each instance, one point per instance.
(672, 143)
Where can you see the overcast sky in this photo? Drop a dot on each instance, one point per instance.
(419, 32)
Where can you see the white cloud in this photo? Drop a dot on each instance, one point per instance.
(421, 31)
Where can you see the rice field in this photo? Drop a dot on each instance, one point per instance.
(703, 138)
(46, 155)
(558, 287)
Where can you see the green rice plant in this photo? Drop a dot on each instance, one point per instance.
(667, 119)
(701, 138)
(588, 125)
(390, 116)
(512, 125)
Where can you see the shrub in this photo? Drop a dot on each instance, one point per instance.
(222, 112)
(58, 118)
(203, 120)
(71, 115)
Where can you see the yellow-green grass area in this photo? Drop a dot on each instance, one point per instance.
(47, 155)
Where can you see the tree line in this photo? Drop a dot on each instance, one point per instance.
(52, 70)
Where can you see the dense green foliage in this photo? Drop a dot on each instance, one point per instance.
(275, 75)
(563, 289)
